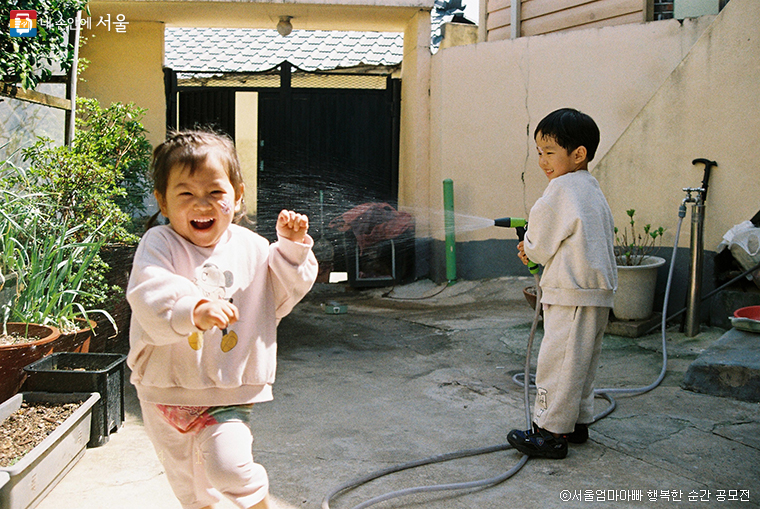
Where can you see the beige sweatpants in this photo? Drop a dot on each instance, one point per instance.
(567, 363)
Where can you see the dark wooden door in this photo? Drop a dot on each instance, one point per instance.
(208, 108)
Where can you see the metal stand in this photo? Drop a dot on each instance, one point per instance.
(691, 327)
(392, 275)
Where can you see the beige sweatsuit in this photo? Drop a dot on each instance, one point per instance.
(570, 233)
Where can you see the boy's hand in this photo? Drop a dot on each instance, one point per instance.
(292, 225)
(215, 313)
(521, 253)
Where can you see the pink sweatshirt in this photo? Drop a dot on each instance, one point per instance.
(172, 361)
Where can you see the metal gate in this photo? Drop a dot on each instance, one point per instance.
(321, 150)
(207, 108)
(325, 151)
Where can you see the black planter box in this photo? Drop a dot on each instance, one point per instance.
(85, 372)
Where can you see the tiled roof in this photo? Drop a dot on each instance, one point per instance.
(252, 50)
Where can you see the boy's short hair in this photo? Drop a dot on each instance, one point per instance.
(570, 129)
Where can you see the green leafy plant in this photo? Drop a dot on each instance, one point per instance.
(28, 60)
(18, 213)
(56, 214)
(116, 139)
(50, 281)
(50, 265)
(632, 247)
(104, 174)
(80, 191)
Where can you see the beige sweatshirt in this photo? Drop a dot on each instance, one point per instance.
(172, 361)
(571, 233)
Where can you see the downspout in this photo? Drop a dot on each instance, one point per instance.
(449, 228)
(516, 18)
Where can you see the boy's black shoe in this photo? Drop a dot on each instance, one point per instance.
(579, 434)
(538, 443)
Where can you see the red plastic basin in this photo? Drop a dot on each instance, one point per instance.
(751, 312)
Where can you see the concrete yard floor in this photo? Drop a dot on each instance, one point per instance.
(402, 376)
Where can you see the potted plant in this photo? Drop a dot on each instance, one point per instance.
(20, 345)
(49, 290)
(49, 265)
(99, 183)
(637, 270)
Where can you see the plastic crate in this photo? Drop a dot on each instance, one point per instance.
(85, 372)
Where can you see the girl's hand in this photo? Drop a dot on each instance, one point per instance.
(521, 253)
(215, 313)
(292, 225)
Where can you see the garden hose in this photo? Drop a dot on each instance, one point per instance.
(355, 483)
(605, 393)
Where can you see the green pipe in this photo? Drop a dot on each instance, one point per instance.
(448, 222)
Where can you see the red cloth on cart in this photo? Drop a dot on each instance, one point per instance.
(372, 223)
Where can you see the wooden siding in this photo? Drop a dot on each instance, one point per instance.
(546, 16)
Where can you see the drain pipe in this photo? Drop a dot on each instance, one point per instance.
(449, 228)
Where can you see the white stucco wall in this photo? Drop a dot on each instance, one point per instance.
(486, 100)
(709, 107)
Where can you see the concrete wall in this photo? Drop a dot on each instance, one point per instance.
(663, 94)
(486, 100)
(127, 67)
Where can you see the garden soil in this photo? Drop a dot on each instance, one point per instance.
(28, 426)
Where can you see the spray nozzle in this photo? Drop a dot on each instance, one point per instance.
(519, 224)
(510, 222)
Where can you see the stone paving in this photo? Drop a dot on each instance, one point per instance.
(402, 376)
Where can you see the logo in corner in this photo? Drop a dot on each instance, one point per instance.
(23, 23)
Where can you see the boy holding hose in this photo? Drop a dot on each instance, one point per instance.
(570, 233)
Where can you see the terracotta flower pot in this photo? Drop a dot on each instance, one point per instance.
(13, 358)
(77, 341)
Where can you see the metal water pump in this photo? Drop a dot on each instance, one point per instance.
(693, 296)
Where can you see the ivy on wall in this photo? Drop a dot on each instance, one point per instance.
(28, 60)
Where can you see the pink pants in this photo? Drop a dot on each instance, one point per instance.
(201, 466)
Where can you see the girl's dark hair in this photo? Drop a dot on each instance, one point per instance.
(571, 129)
(189, 149)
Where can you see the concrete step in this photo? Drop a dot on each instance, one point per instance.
(729, 368)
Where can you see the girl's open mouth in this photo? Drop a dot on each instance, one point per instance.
(202, 224)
